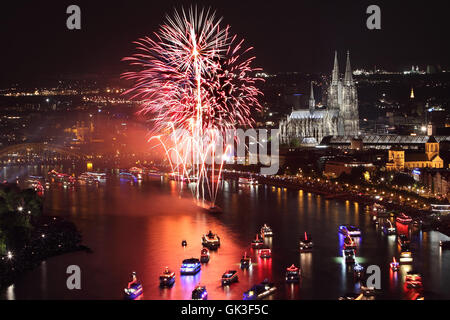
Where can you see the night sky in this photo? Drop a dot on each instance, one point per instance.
(287, 35)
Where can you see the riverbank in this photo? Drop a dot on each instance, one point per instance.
(334, 192)
(51, 236)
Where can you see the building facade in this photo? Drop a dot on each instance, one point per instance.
(339, 118)
(398, 160)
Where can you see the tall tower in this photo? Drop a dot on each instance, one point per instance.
(333, 91)
(349, 106)
(312, 101)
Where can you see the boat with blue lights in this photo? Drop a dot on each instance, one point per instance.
(134, 289)
(259, 291)
(199, 293)
(395, 266)
(350, 230)
(190, 266)
(167, 278)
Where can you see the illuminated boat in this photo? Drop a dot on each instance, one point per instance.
(349, 243)
(246, 262)
(265, 253)
(388, 228)
(204, 255)
(306, 243)
(190, 266)
(413, 280)
(266, 231)
(406, 255)
(350, 230)
(403, 219)
(211, 240)
(257, 242)
(249, 181)
(199, 293)
(259, 291)
(229, 277)
(292, 274)
(167, 278)
(184, 243)
(134, 291)
(349, 255)
(395, 266)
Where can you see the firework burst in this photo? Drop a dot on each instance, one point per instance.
(194, 75)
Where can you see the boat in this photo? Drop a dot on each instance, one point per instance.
(246, 262)
(190, 266)
(388, 228)
(204, 255)
(395, 266)
(405, 254)
(292, 274)
(265, 253)
(349, 243)
(134, 289)
(259, 291)
(249, 181)
(211, 241)
(306, 244)
(199, 293)
(403, 219)
(350, 230)
(349, 255)
(229, 277)
(266, 231)
(184, 243)
(257, 242)
(167, 278)
(413, 280)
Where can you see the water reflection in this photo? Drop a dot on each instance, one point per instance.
(139, 226)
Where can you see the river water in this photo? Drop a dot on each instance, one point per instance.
(139, 225)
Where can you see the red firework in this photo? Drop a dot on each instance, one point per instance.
(194, 74)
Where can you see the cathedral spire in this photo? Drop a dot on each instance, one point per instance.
(335, 76)
(348, 79)
(312, 101)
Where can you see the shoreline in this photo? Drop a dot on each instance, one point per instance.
(61, 237)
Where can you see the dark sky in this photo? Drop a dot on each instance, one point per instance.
(298, 35)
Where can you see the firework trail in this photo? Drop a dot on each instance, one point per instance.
(193, 77)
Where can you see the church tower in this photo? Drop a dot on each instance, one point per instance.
(312, 101)
(349, 107)
(333, 91)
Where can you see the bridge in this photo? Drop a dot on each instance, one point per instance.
(41, 148)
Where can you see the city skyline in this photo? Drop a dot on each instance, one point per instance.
(290, 37)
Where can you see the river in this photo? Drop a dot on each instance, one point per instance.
(139, 225)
